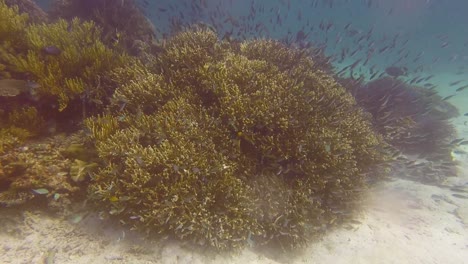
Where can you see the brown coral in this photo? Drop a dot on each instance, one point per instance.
(226, 146)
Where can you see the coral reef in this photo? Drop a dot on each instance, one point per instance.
(222, 144)
(414, 120)
(60, 68)
(12, 25)
(11, 137)
(215, 142)
(38, 171)
(19, 125)
(35, 13)
(65, 59)
(123, 23)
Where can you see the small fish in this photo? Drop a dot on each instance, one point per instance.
(41, 191)
(447, 97)
(462, 88)
(396, 71)
(456, 141)
(459, 196)
(455, 83)
(455, 189)
(51, 50)
(444, 44)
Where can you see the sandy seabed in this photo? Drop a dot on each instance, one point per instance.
(402, 222)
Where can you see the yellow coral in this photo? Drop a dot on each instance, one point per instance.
(227, 146)
(28, 119)
(102, 127)
(12, 136)
(82, 57)
(12, 24)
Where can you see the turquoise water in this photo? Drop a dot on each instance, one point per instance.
(426, 36)
(429, 36)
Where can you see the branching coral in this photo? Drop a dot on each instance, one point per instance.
(229, 146)
(65, 59)
(124, 24)
(19, 125)
(35, 13)
(12, 26)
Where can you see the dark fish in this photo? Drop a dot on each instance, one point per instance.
(459, 196)
(448, 97)
(51, 50)
(459, 190)
(429, 77)
(383, 49)
(456, 141)
(455, 83)
(373, 75)
(300, 36)
(462, 88)
(396, 71)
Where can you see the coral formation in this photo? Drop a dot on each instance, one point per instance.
(414, 120)
(225, 145)
(216, 142)
(50, 73)
(65, 59)
(57, 69)
(19, 125)
(12, 26)
(35, 13)
(123, 23)
(38, 170)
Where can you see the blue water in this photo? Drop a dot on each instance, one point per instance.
(435, 31)
(426, 36)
